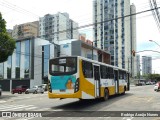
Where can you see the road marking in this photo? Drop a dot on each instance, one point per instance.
(14, 107)
(126, 118)
(28, 118)
(30, 108)
(2, 101)
(23, 97)
(58, 110)
(43, 109)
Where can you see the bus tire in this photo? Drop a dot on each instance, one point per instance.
(106, 95)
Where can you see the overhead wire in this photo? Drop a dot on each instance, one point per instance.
(108, 20)
(115, 19)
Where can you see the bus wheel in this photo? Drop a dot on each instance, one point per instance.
(106, 94)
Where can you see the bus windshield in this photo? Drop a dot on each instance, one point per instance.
(63, 66)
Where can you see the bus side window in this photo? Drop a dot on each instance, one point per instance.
(87, 69)
(123, 75)
(120, 74)
(103, 72)
(110, 72)
(107, 75)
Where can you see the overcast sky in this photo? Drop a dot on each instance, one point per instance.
(21, 11)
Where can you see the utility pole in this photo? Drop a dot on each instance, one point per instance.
(128, 64)
(92, 50)
(139, 73)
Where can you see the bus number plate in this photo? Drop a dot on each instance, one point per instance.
(62, 90)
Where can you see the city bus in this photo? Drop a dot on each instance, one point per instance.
(83, 78)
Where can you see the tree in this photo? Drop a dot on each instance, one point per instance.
(7, 43)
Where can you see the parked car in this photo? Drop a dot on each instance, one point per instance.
(19, 89)
(0, 90)
(44, 86)
(140, 84)
(35, 90)
(150, 83)
(157, 86)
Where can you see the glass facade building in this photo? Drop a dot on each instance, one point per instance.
(18, 58)
(26, 64)
(27, 59)
(9, 67)
(1, 71)
(46, 60)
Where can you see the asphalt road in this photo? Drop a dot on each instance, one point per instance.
(139, 98)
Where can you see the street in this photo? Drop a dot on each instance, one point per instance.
(139, 98)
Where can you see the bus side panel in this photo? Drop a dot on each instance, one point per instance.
(122, 84)
(86, 87)
(111, 90)
(109, 84)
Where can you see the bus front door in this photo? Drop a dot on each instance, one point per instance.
(97, 80)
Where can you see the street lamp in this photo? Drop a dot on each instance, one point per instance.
(154, 42)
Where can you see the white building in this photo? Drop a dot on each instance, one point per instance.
(114, 35)
(57, 27)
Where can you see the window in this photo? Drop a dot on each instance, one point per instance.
(1, 70)
(27, 59)
(9, 64)
(110, 73)
(120, 74)
(46, 59)
(103, 72)
(63, 66)
(18, 51)
(87, 69)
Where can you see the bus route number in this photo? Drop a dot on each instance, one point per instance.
(62, 61)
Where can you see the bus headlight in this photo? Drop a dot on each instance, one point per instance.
(76, 87)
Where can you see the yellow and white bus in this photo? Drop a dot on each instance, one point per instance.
(79, 77)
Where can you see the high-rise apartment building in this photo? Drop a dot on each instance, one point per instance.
(113, 34)
(146, 65)
(133, 62)
(25, 30)
(57, 27)
(137, 69)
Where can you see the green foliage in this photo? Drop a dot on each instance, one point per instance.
(152, 77)
(7, 43)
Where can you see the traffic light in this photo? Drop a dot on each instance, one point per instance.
(133, 53)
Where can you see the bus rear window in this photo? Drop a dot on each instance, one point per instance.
(62, 66)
